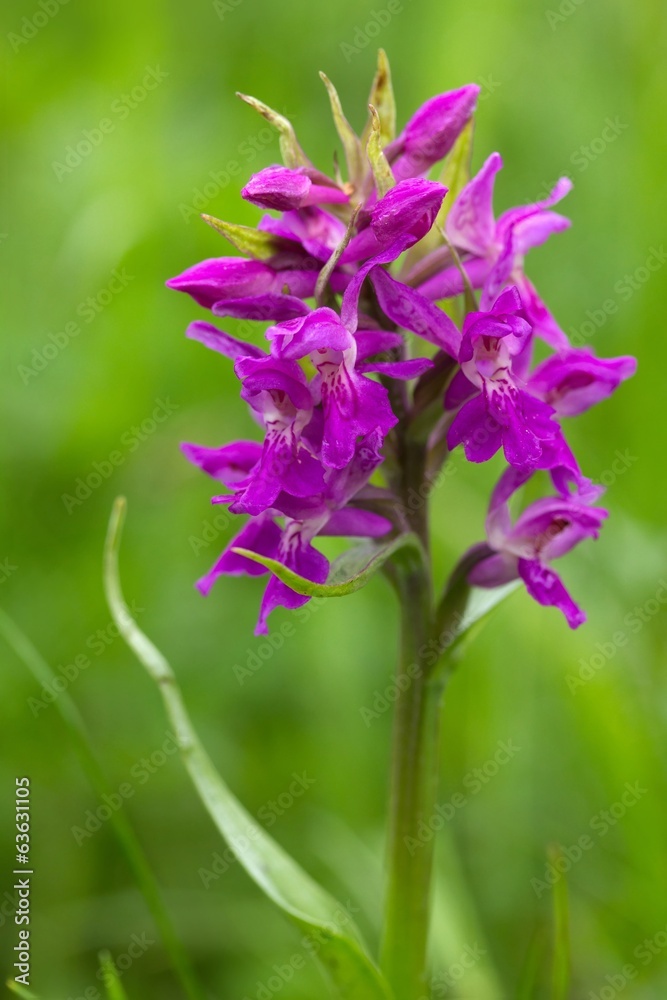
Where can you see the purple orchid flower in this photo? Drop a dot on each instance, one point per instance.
(232, 286)
(325, 513)
(353, 405)
(431, 132)
(298, 446)
(285, 189)
(493, 251)
(270, 289)
(575, 379)
(316, 232)
(546, 530)
(280, 397)
(500, 413)
(322, 393)
(290, 545)
(401, 218)
(411, 310)
(398, 221)
(279, 393)
(231, 464)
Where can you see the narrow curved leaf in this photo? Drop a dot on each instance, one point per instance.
(354, 156)
(292, 153)
(349, 573)
(382, 98)
(327, 928)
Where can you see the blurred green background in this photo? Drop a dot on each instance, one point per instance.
(552, 77)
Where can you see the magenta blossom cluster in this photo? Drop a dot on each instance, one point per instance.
(357, 280)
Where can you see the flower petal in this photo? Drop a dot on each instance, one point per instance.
(546, 587)
(278, 187)
(480, 434)
(230, 464)
(222, 342)
(410, 208)
(261, 535)
(470, 223)
(303, 335)
(575, 380)
(409, 309)
(540, 318)
(495, 571)
(431, 132)
(373, 342)
(223, 278)
(299, 555)
(404, 370)
(353, 522)
(262, 307)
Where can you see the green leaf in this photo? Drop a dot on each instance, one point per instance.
(384, 178)
(349, 573)
(127, 839)
(292, 153)
(326, 927)
(111, 978)
(20, 991)
(251, 242)
(382, 99)
(354, 155)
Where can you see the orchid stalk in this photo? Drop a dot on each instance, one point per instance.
(360, 384)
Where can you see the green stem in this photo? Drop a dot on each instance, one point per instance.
(413, 793)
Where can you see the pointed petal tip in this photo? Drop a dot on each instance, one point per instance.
(576, 620)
